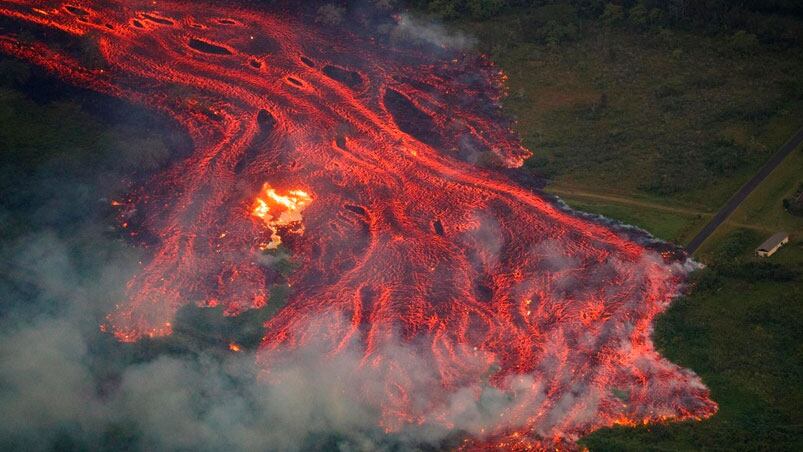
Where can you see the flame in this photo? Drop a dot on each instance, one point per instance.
(278, 211)
(235, 347)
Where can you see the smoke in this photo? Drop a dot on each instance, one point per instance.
(58, 383)
(412, 29)
(62, 379)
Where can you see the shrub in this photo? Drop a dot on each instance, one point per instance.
(794, 204)
(13, 72)
(724, 157)
(555, 33)
(483, 9)
(553, 24)
(639, 16)
(643, 17)
(735, 244)
(758, 271)
(744, 42)
(613, 14)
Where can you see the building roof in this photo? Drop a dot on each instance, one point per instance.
(773, 241)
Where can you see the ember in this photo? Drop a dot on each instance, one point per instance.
(409, 244)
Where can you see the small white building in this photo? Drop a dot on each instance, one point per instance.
(772, 244)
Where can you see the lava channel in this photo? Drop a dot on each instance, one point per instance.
(453, 284)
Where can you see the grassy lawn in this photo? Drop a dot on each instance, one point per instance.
(744, 339)
(764, 206)
(670, 226)
(672, 115)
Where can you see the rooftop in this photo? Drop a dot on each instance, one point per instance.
(773, 241)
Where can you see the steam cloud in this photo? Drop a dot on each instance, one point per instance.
(413, 29)
(52, 386)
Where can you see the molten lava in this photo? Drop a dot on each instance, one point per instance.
(280, 211)
(414, 251)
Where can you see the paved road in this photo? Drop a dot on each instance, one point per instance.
(744, 192)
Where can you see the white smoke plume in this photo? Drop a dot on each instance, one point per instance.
(411, 28)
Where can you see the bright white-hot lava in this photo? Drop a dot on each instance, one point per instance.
(280, 211)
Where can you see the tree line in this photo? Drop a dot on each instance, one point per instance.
(774, 21)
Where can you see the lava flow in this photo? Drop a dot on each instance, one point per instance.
(412, 245)
(280, 211)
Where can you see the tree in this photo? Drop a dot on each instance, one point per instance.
(613, 14)
(639, 16)
(483, 9)
(447, 9)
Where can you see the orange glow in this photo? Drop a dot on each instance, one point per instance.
(416, 239)
(278, 211)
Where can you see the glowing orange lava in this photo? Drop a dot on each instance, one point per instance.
(280, 211)
(446, 277)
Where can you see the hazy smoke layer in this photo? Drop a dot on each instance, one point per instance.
(55, 385)
(413, 29)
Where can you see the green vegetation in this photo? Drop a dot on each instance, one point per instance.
(739, 329)
(794, 203)
(766, 205)
(597, 116)
(654, 113)
(673, 102)
(670, 226)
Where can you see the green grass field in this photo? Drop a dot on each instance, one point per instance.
(658, 129)
(739, 329)
(670, 226)
(667, 114)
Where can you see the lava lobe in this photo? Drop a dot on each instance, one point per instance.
(410, 253)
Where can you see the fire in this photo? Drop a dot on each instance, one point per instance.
(235, 347)
(278, 211)
(413, 243)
